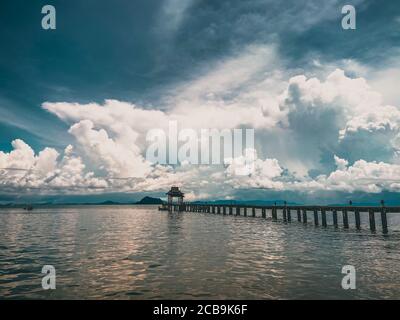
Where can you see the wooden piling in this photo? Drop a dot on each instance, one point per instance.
(358, 220)
(274, 213)
(304, 216)
(384, 221)
(345, 219)
(334, 216)
(372, 220)
(323, 217)
(301, 212)
(316, 222)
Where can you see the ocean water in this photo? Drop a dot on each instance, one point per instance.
(133, 252)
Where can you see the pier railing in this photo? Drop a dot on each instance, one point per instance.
(298, 213)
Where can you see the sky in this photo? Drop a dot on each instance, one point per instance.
(77, 102)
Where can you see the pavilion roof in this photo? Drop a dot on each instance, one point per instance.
(175, 192)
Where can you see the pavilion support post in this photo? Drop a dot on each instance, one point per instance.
(372, 225)
(334, 216)
(345, 219)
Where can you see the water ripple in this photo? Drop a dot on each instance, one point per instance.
(113, 252)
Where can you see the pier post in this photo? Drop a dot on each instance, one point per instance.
(384, 218)
(316, 222)
(298, 215)
(323, 217)
(253, 211)
(238, 211)
(345, 219)
(372, 220)
(224, 210)
(284, 214)
(218, 210)
(263, 212)
(245, 211)
(213, 209)
(334, 215)
(289, 216)
(274, 214)
(304, 216)
(230, 211)
(358, 220)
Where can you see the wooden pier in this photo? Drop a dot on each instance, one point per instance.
(289, 213)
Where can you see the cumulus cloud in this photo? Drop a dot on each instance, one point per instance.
(372, 177)
(249, 171)
(22, 170)
(312, 133)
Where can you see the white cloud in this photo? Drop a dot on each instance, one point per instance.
(299, 119)
(364, 176)
(259, 173)
(22, 170)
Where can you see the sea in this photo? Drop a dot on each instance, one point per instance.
(139, 252)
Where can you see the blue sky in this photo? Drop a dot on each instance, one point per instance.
(335, 135)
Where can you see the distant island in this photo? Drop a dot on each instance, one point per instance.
(150, 200)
